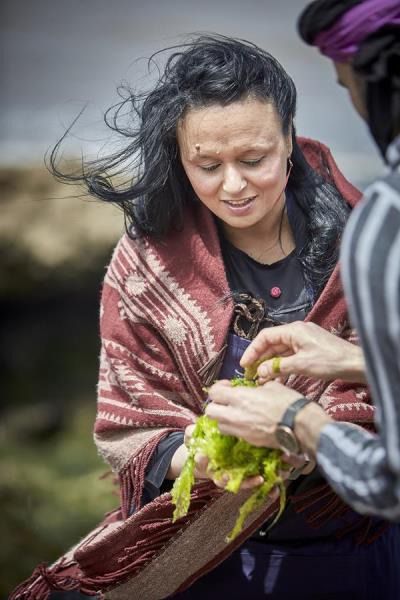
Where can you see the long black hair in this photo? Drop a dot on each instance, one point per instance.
(210, 69)
(377, 62)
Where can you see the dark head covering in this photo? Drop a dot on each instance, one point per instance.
(320, 15)
(376, 59)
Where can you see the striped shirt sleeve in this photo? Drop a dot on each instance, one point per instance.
(364, 468)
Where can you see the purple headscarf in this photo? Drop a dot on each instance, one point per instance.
(341, 41)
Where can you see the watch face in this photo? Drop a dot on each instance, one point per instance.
(286, 439)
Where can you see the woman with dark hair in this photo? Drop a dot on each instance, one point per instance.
(234, 225)
(362, 38)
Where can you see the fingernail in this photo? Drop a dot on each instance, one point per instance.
(286, 457)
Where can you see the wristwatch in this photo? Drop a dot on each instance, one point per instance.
(284, 433)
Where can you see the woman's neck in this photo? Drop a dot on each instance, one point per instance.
(267, 241)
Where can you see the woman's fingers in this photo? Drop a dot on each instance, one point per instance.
(188, 434)
(295, 460)
(274, 493)
(251, 482)
(298, 465)
(201, 466)
(202, 471)
(221, 482)
(247, 484)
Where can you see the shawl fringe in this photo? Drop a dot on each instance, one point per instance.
(64, 576)
(321, 504)
(131, 476)
(148, 538)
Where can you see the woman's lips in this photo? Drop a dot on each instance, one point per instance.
(240, 207)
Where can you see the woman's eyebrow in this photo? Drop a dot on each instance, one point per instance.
(244, 150)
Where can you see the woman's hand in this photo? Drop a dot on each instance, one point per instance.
(202, 470)
(304, 349)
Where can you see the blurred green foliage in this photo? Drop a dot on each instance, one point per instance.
(54, 245)
(51, 494)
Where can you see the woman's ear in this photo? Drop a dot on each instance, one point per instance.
(289, 141)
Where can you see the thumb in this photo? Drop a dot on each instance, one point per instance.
(201, 464)
(188, 434)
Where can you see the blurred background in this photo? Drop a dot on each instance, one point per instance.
(57, 58)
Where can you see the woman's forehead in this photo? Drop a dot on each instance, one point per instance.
(248, 123)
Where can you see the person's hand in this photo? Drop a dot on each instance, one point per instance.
(202, 470)
(304, 349)
(251, 413)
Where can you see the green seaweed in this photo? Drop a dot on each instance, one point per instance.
(233, 457)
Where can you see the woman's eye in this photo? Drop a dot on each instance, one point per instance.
(210, 168)
(252, 163)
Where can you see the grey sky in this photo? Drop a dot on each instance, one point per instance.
(59, 55)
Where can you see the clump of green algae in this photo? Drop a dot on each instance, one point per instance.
(233, 457)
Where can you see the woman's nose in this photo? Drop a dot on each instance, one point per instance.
(233, 182)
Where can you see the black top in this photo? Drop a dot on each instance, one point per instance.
(280, 287)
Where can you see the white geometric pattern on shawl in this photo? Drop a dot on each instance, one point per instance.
(115, 371)
(175, 302)
(161, 302)
(152, 369)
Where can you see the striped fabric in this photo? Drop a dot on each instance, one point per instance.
(364, 468)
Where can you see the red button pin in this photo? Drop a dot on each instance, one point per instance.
(275, 291)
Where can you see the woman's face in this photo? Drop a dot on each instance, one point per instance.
(235, 157)
(347, 78)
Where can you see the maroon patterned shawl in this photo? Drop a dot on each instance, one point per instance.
(163, 325)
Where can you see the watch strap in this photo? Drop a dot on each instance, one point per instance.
(291, 412)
